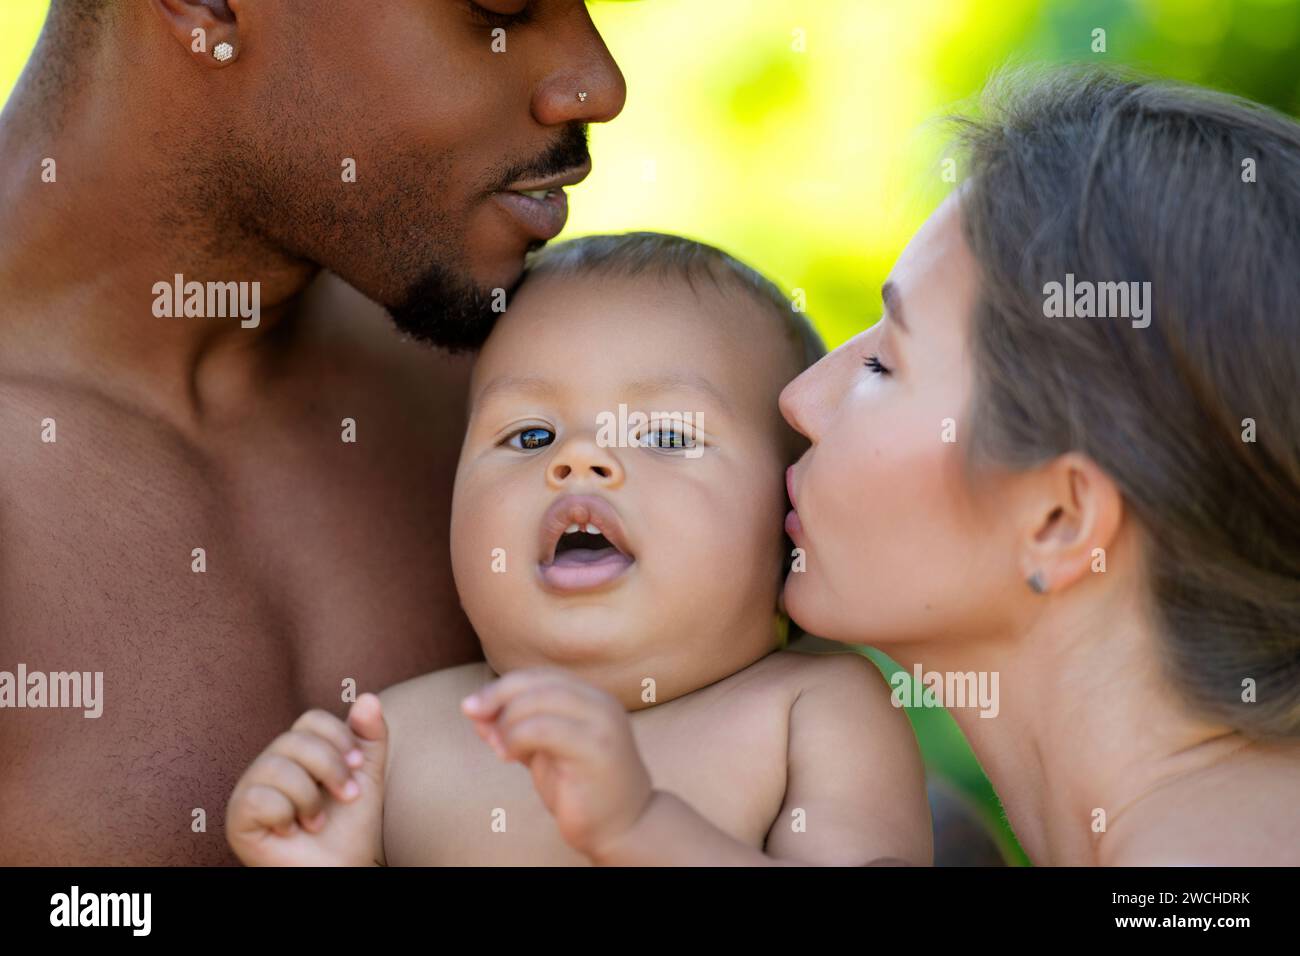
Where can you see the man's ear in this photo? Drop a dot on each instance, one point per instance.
(208, 29)
(1072, 517)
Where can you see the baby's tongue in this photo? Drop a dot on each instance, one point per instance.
(578, 556)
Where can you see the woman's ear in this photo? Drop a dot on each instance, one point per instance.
(1072, 517)
(208, 29)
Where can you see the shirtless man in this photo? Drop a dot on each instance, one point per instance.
(232, 518)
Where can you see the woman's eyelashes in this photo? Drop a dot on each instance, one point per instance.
(873, 362)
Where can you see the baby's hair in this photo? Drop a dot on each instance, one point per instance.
(633, 254)
(667, 256)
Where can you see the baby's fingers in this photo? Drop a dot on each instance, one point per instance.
(545, 733)
(261, 807)
(278, 772)
(325, 725)
(320, 758)
(487, 731)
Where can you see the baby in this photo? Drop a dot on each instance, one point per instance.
(617, 543)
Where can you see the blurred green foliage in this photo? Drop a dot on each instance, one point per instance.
(800, 135)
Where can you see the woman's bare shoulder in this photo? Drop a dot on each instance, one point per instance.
(1242, 812)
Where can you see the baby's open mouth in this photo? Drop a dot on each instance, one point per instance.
(583, 545)
(579, 545)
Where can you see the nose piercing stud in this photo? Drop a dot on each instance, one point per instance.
(582, 97)
(223, 52)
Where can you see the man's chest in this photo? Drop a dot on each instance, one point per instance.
(217, 602)
(281, 545)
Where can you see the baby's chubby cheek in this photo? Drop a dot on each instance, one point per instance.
(491, 549)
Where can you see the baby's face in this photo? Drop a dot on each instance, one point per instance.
(651, 552)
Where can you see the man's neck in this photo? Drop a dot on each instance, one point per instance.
(124, 206)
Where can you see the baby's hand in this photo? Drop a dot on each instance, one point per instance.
(576, 741)
(315, 797)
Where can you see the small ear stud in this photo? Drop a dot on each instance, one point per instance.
(582, 97)
(223, 52)
(1037, 583)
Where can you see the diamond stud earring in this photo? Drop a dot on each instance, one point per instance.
(223, 52)
(582, 97)
(1037, 583)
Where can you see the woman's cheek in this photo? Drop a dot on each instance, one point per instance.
(876, 524)
(832, 506)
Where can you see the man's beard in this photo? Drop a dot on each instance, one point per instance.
(444, 307)
(446, 310)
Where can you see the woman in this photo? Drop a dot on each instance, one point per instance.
(1088, 490)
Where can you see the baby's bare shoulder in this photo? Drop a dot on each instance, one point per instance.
(842, 670)
(423, 705)
(792, 681)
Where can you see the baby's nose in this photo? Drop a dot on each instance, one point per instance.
(583, 459)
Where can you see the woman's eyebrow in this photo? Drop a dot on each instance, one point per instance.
(893, 300)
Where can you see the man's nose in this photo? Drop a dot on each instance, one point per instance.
(582, 461)
(585, 84)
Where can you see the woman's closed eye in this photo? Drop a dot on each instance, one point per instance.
(873, 362)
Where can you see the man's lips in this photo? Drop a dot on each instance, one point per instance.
(570, 177)
(541, 206)
(582, 569)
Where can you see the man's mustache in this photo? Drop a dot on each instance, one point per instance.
(568, 151)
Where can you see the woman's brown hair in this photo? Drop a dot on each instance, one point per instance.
(1088, 176)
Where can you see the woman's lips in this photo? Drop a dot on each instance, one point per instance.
(793, 526)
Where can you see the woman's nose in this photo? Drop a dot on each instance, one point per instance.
(795, 404)
(805, 401)
(582, 461)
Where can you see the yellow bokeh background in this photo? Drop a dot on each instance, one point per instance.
(800, 135)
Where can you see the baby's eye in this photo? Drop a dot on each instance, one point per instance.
(666, 437)
(530, 439)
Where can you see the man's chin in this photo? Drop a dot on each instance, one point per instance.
(449, 311)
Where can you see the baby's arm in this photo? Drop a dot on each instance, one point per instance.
(315, 796)
(854, 770)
